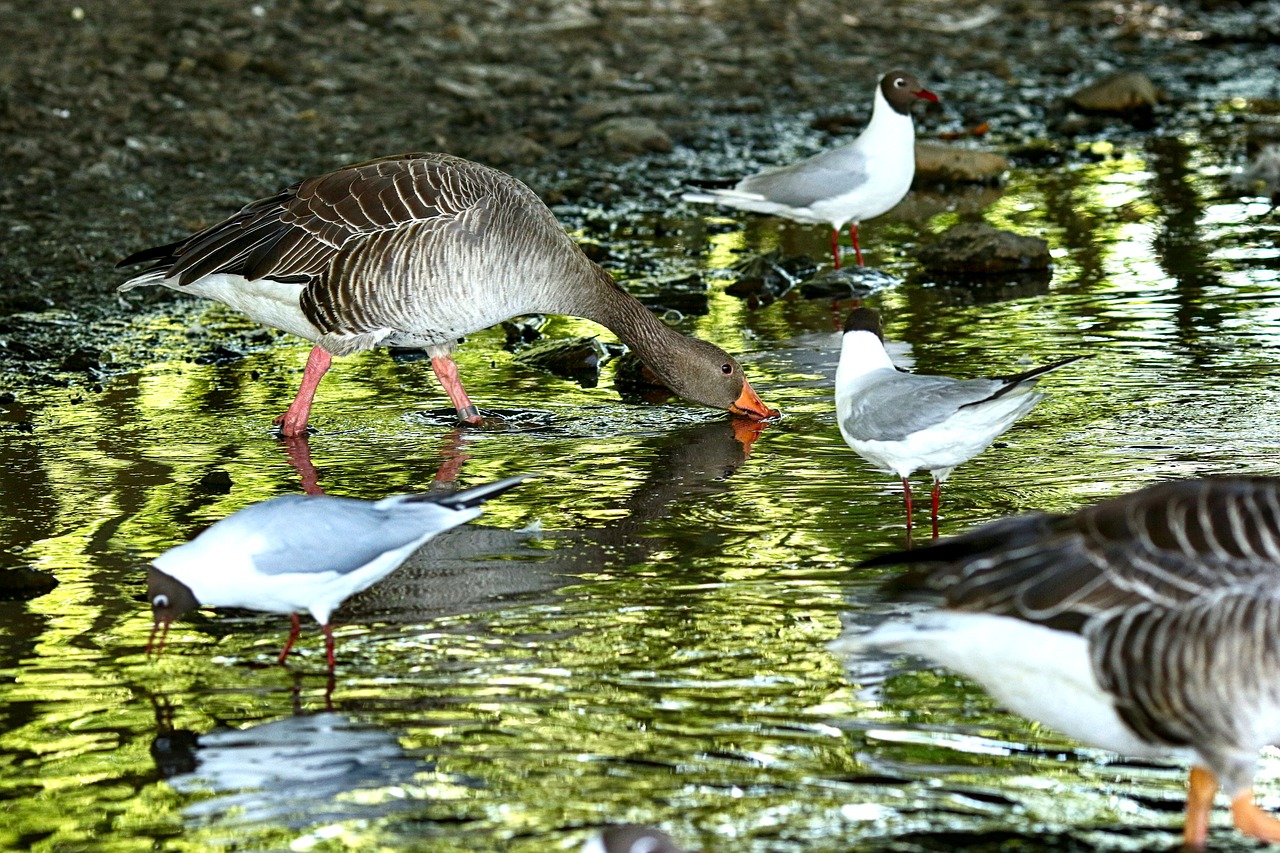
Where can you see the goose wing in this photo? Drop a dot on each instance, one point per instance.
(1165, 545)
(296, 234)
(1204, 674)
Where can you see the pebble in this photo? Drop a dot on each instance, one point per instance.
(977, 248)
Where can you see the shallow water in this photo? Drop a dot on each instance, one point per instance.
(639, 634)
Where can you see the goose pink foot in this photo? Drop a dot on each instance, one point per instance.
(446, 371)
(294, 421)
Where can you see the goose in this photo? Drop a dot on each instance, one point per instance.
(904, 422)
(418, 250)
(302, 552)
(1147, 625)
(857, 181)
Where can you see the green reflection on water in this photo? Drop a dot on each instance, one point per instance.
(656, 652)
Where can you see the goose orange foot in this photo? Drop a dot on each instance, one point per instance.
(1252, 820)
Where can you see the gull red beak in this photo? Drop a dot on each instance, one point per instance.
(749, 405)
(926, 95)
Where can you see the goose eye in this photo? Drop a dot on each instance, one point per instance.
(161, 600)
(726, 369)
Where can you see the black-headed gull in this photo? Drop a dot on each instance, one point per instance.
(905, 422)
(857, 181)
(420, 250)
(302, 552)
(1148, 625)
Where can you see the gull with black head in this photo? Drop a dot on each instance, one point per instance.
(849, 184)
(302, 552)
(905, 422)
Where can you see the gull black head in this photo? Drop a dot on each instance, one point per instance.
(864, 320)
(169, 598)
(902, 89)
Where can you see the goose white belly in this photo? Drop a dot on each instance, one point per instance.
(1040, 673)
(265, 300)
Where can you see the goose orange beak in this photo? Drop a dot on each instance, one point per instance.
(749, 405)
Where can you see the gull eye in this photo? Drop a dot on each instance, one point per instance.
(899, 82)
(726, 369)
(160, 600)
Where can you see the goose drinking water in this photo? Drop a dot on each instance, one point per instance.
(418, 250)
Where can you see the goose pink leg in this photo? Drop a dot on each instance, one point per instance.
(1201, 787)
(1253, 821)
(294, 421)
(446, 371)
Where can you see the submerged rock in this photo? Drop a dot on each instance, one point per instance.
(763, 278)
(632, 135)
(1124, 92)
(577, 359)
(976, 248)
(523, 330)
(852, 281)
(939, 163)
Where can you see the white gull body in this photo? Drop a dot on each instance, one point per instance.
(906, 422)
(300, 553)
(848, 184)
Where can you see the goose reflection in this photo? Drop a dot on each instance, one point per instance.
(481, 568)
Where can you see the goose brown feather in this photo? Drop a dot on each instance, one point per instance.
(419, 250)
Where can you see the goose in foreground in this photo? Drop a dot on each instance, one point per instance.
(418, 250)
(1148, 625)
(904, 422)
(302, 552)
(630, 838)
(857, 181)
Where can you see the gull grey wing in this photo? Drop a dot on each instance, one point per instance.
(822, 176)
(317, 534)
(898, 404)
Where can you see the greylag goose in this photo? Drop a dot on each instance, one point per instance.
(302, 552)
(857, 181)
(418, 250)
(1148, 625)
(904, 422)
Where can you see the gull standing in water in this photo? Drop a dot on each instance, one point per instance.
(904, 422)
(857, 181)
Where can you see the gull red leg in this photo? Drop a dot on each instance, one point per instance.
(293, 635)
(935, 496)
(328, 644)
(446, 371)
(906, 492)
(853, 235)
(294, 420)
(835, 246)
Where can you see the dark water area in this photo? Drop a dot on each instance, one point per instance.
(639, 633)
